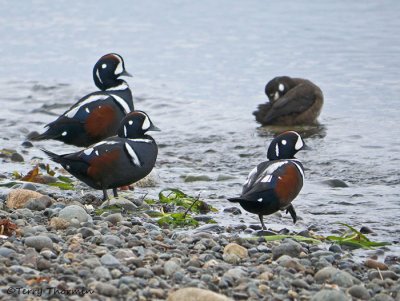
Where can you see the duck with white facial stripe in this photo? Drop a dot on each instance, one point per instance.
(274, 184)
(292, 101)
(96, 116)
(117, 161)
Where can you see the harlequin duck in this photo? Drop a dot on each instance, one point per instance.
(97, 115)
(292, 101)
(274, 184)
(117, 161)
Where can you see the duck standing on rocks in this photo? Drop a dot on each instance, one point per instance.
(292, 101)
(274, 184)
(97, 115)
(117, 161)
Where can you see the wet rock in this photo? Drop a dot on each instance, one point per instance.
(234, 253)
(333, 275)
(58, 223)
(366, 230)
(27, 144)
(39, 242)
(330, 295)
(233, 210)
(18, 198)
(114, 218)
(196, 294)
(335, 249)
(373, 264)
(43, 264)
(74, 212)
(196, 178)
(335, 183)
(28, 186)
(15, 157)
(359, 292)
(40, 203)
(288, 247)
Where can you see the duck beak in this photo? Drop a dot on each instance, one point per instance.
(306, 147)
(125, 73)
(154, 128)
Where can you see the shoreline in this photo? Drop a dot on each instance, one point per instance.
(61, 251)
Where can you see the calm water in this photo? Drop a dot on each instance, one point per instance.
(200, 68)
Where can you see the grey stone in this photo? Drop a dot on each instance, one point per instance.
(6, 252)
(111, 240)
(359, 291)
(114, 218)
(384, 274)
(143, 273)
(170, 267)
(39, 204)
(15, 157)
(74, 212)
(330, 295)
(102, 273)
(28, 186)
(121, 202)
(109, 260)
(39, 242)
(300, 283)
(91, 262)
(333, 275)
(382, 297)
(233, 210)
(288, 247)
(106, 289)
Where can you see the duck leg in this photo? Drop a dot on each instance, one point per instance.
(262, 222)
(115, 192)
(105, 195)
(292, 212)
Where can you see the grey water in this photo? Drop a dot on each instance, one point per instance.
(200, 68)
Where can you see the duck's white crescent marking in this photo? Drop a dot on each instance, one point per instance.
(88, 151)
(277, 150)
(71, 113)
(133, 155)
(119, 68)
(142, 140)
(122, 102)
(146, 123)
(251, 175)
(122, 86)
(98, 76)
(125, 131)
(299, 143)
(299, 168)
(276, 95)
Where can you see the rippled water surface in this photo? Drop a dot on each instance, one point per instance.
(200, 68)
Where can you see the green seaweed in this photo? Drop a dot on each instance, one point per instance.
(110, 209)
(283, 236)
(175, 220)
(179, 198)
(355, 239)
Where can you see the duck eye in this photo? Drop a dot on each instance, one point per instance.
(283, 142)
(104, 66)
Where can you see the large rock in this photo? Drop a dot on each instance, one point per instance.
(18, 198)
(73, 212)
(330, 295)
(196, 294)
(39, 242)
(287, 247)
(333, 275)
(234, 253)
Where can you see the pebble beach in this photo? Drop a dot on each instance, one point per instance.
(59, 249)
